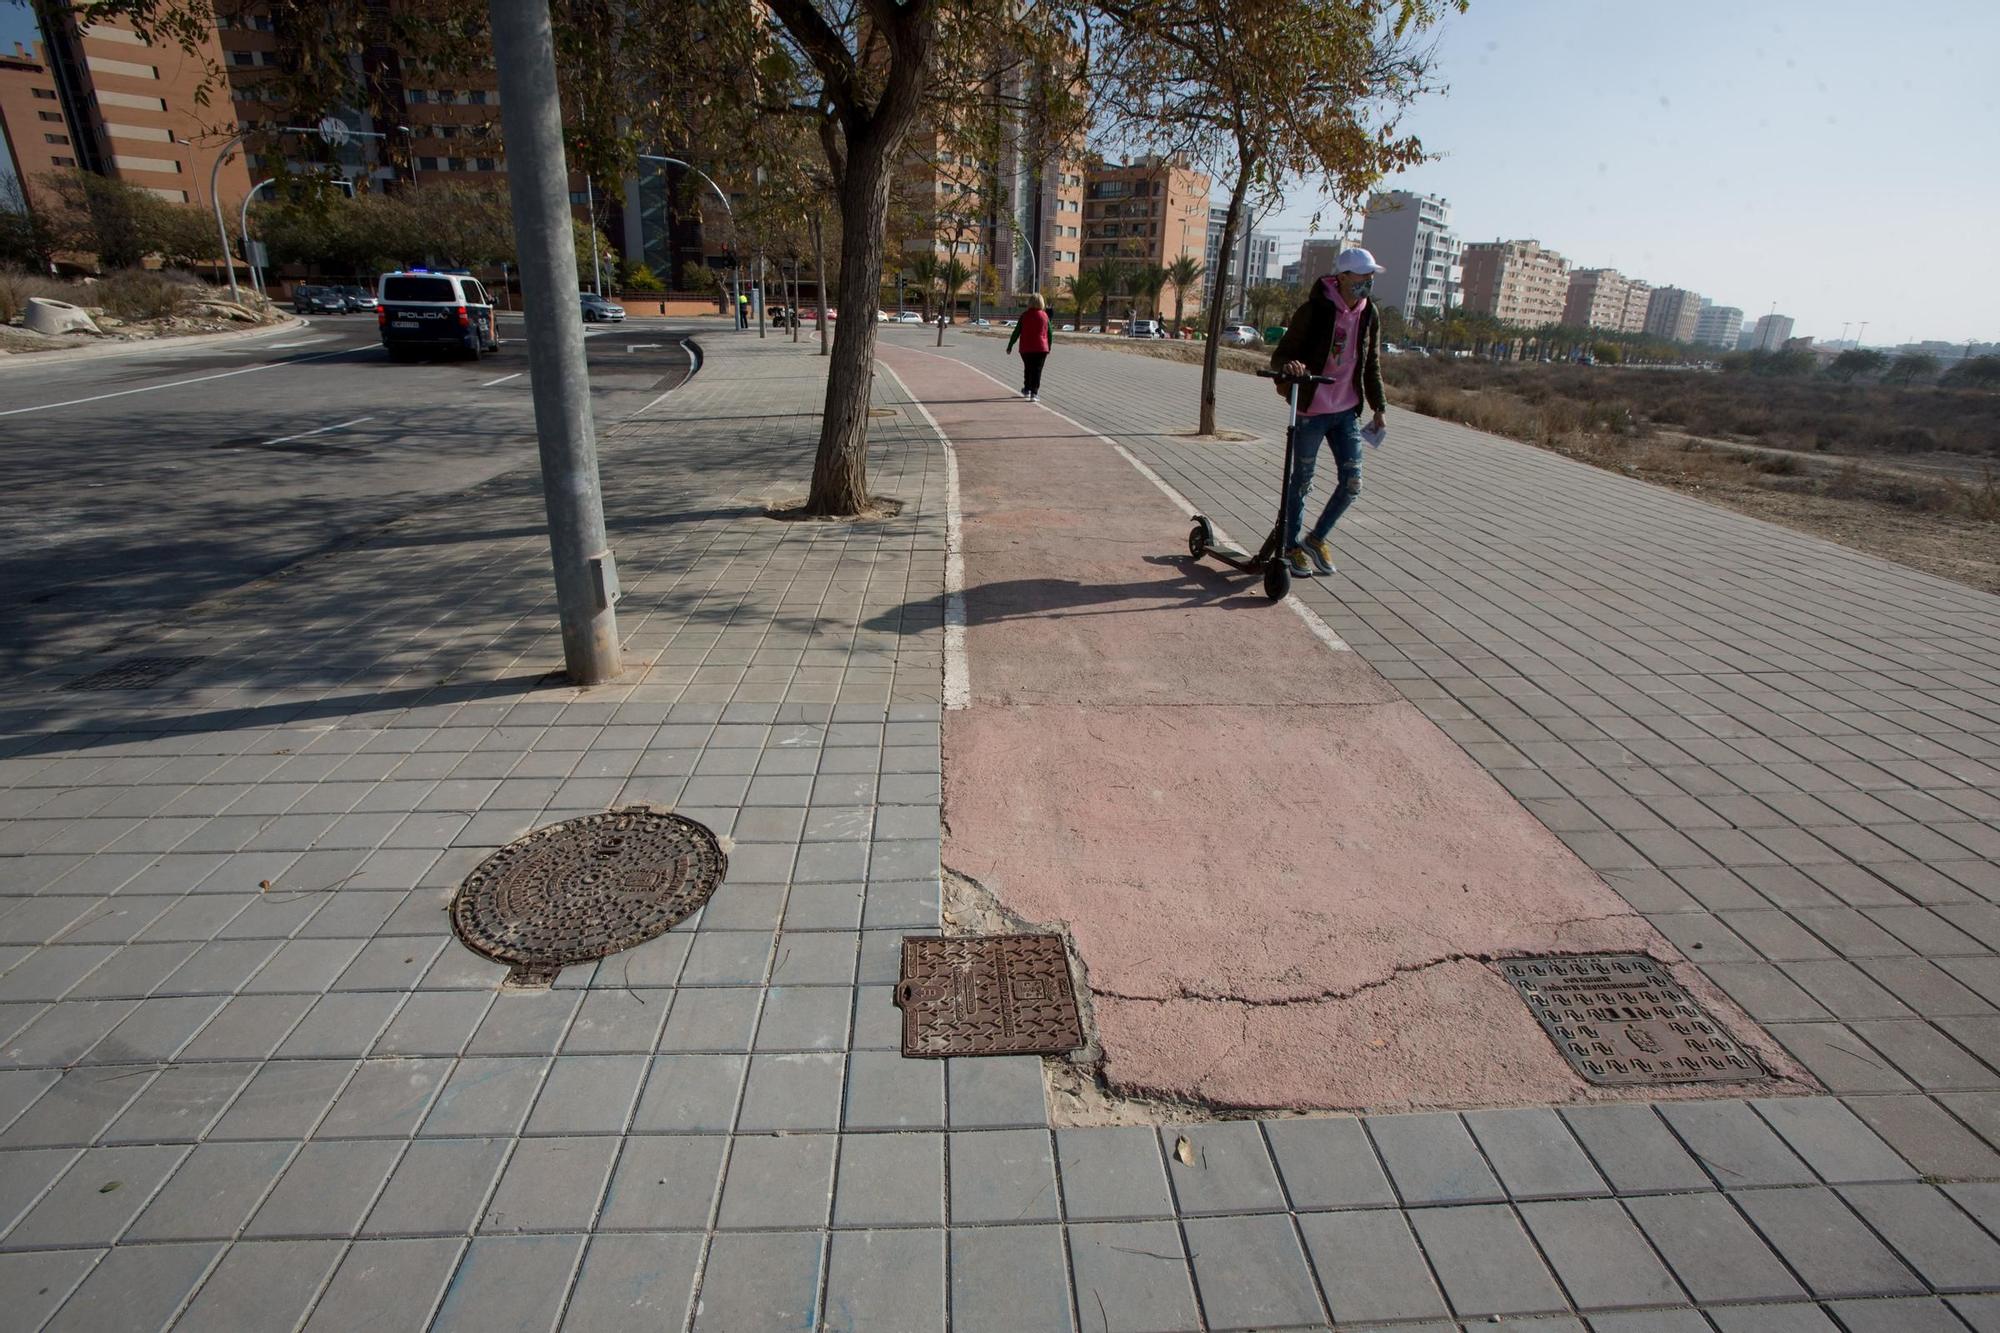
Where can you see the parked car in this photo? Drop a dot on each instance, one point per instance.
(982, 323)
(1069, 328)
(1241, 335)
(420, 311)
(909, 317)
(597, 308)
(311, 300)
(1145, 328)
(356, 298)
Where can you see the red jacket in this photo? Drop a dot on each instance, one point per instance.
(1032, 332)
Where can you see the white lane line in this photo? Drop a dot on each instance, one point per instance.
(957, 674)
(304, 342)
(1313, 622)
(176, 384)
(694, 364)
(338, 425)
(503, 379)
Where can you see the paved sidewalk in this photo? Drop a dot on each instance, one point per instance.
(230, 1106)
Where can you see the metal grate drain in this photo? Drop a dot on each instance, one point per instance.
(987, 995)
(585, 888)
(1620, 1018)
(134, 673)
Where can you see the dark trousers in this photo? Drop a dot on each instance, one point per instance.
(1031, 371)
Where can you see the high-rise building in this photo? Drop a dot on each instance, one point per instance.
(1256, 254)
(35, 133)
(1771, 333)
(1410, 237)
(1517, 282)
(1604, 298)
(1153, 209)
(1672, 313)
(1718, 325)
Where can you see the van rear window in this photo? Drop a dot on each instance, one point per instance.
(419, 289)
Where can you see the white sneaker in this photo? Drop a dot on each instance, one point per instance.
(1027, 397)
(1034, 398)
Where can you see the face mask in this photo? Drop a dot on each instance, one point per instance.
(1363, 288)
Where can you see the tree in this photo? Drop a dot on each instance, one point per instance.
(1856, 362)
(639, 278)
(1910, 367)
(924, 271)
(1112, 275)
(952, 277)
(28, 237)
(1084, 289)
(1184, 273)
(1268, 300)
(1148, 281)
(1277, 89)
(1978, 372)
(124, 225)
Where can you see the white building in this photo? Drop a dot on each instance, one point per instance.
(1771, 333)
(1410, 236)
(1718, 325)
(1256, 254)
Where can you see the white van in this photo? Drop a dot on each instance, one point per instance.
(420, 311)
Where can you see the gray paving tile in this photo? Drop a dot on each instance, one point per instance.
(1228, 1169)
(620, 1020)
(34, 1284)
(804, 1018)
(1534, 1154)
(634, 1282)
(486, 1096)
(1601, 1257)
(996, 1092)
(383, 1284)
(1132, 1275)
(340, 1024)
(263, 1285)
(77, 1108)
(97, 1198)
(1947, 1249)
(1832, 1140)
(760, 1280)
(29, 1173)
(434, 1023)
(885, 1091)
(551, 1185)
(1634, 1321)
(179, 1105)
(714, 1019)
(248, 1027)
(587, 1094)
(135, 1288)
(327, 1189)
(664, 1182)
(1432, 1159)
(438, 1188)
(885, 1280)
(1009, 1280)
(1927, 1137)
(1112, 1173)
(1711, 1249)
(284, 1100)
(1634, 1150)
(1981, 1312)
(1909, 1315)
(785, 1181)
(1251, 1272)
(525, 1023)
(1485, 1261)
(1370, 1268)
(511, 1283)
(384, 1099)
(792, 1092)
(1738, 1148)
(213, 1193)
(890, 1180)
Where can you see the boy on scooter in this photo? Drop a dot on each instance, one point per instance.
(1336, 332)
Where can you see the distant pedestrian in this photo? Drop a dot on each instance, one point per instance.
(1031, 331)
(1337, 332)
(742, 310)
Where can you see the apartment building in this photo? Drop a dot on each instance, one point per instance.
(1153, 210)
(1770, 333)
(1604, 298)
(1718, 325)
(1673, 313)
(1517, 282)
(1411, 238)
(33, 129)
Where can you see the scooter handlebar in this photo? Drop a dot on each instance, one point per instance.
(1297, 379)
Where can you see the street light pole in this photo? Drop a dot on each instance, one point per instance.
(221, 227)
(735, 285)
(590, 207)
(538, 181)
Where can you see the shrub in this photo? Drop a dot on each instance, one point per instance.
(640, 278)
(138, 294)
(16, 289)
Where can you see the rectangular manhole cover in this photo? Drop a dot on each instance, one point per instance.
(134, 673)
(987, 995)
(1620, 1018)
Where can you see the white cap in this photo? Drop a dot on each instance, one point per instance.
(1357, 260)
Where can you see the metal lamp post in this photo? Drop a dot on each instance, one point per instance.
(735, 285)
(243, 229)
(332, 131)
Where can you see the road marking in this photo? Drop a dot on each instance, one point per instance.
(304, 342)
(176, 384)
(957, 673)
(694, 364)
(643, 347)
(503, 379)
(338, 425)
(1322, 631)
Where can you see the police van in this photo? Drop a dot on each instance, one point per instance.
(420, 311)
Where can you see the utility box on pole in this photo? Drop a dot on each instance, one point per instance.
(538, 182)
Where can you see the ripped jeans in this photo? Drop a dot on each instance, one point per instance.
(1342, 431)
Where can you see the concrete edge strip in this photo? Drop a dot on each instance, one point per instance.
(1311, 618)
(957, 676)
(66, 355)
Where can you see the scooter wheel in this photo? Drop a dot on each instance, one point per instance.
(1200, 537)
(1277, 580)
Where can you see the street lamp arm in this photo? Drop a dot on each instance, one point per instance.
(730, 213)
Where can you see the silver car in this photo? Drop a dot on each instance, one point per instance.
(1241, 335)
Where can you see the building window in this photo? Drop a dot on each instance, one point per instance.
(56, 138)
(45, 94)
(62, 161)
(55, 116)
(477, 97)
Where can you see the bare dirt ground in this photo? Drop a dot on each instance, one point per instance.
(1938, 514)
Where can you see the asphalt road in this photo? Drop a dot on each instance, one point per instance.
(136, 485)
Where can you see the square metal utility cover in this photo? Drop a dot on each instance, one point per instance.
(987, 995)
(134, 673)
(1620, 1018)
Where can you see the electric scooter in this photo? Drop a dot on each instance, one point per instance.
(1270, 559)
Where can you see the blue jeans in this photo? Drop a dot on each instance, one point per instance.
(1341, 430)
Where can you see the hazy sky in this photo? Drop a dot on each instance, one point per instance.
(1837, 157)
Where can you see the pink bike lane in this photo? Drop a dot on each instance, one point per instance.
(1285, 883)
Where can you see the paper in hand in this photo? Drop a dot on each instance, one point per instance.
(1374, 435)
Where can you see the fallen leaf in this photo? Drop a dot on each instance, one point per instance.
(263, 884)
(109, 1186)
(1379, 1043)
(1184, 1150)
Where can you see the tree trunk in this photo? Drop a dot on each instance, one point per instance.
(840, 472)
(792, 299)
(1180, 306)
(763, 298)
(1211, 355)
(819, 280)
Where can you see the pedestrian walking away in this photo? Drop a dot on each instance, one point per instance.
(1337, 333)
(1031, 331)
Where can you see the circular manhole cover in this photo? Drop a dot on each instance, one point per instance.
(587, 887)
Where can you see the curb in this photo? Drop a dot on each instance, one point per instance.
(292, 324)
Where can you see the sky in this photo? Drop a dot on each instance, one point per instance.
(1838, 158)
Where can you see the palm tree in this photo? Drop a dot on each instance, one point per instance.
(924, 271)
(1084, 289)
(1184, 273)
(1147, 282)
(952, 277)
(1112, 276)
